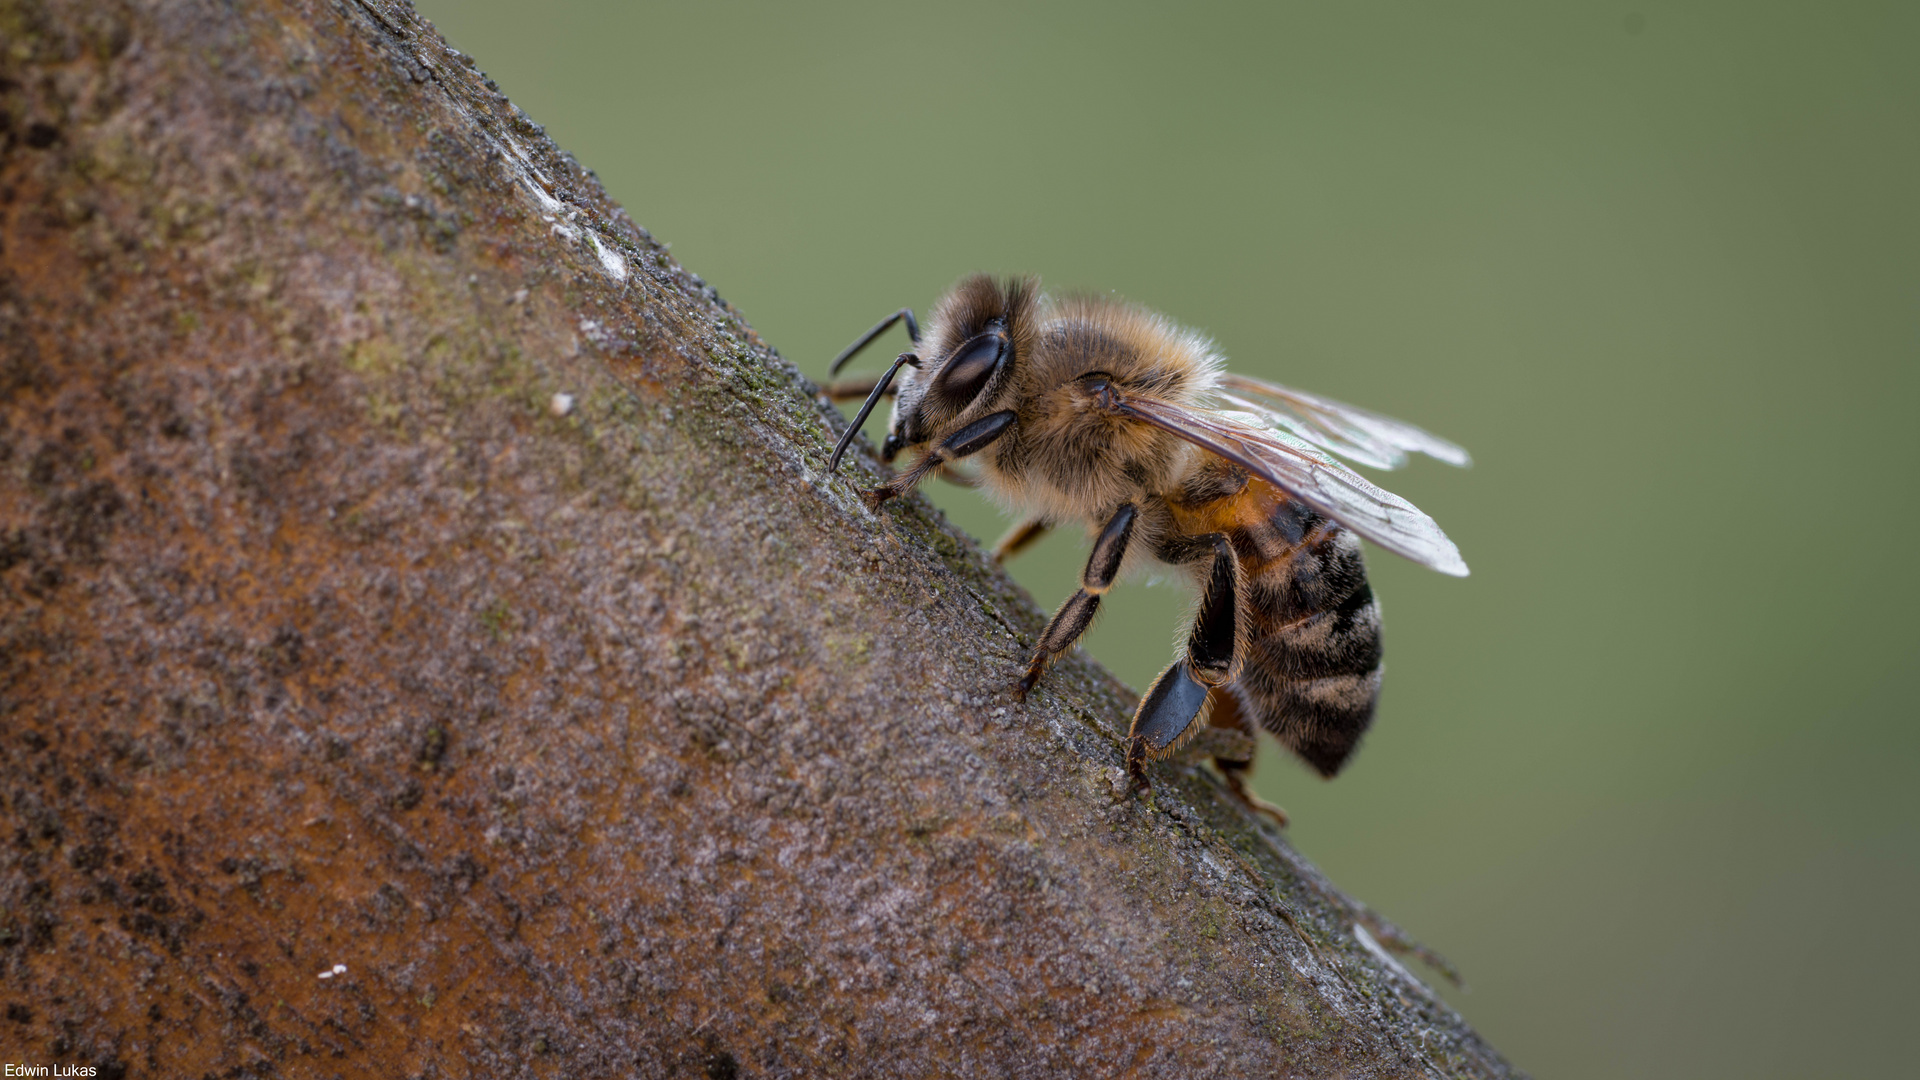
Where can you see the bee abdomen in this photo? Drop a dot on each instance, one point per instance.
(1311, 672)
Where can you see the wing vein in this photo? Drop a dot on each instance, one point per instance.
(1295, 466)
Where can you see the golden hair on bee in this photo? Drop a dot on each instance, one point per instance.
(1088, 410)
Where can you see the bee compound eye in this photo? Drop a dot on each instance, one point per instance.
(970, 371)
(892, 447)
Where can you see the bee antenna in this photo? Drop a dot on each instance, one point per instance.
(846, 354)
(866, 409)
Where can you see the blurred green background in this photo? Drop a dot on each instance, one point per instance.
(1649, 775)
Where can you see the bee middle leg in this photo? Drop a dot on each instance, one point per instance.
(1179, 698)
(1019, 538)
(1074, 616)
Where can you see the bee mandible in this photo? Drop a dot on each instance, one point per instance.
(1085, 409)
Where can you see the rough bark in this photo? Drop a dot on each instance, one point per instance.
(610, 739)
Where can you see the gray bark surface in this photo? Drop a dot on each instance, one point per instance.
(428, 645)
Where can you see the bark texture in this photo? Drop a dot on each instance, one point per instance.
(428, 646)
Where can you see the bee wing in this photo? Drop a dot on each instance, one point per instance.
(1354, 433)
(1307, 474)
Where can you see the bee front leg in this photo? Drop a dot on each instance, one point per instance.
(1074, 616)
(967, 441)
(1175, 706)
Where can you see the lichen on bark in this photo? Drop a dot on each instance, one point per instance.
(407, 567)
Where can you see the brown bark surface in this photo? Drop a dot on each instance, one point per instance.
(428, 646)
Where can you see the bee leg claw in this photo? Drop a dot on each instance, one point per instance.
(903, 483)
(1027, 682)
(1137, 782)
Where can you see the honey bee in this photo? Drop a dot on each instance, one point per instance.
(1086, 409)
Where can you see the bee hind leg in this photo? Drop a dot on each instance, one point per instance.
(1176, 706)
(1231, 741)
(1167, 717)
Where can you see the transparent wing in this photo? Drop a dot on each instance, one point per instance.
(1302, 471)
(1354, 433)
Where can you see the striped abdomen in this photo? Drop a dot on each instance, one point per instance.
(1311, 670)
(1310, 660)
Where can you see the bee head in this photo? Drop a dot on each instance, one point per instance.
(966, 362)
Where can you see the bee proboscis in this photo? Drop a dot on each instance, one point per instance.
(1089, 410)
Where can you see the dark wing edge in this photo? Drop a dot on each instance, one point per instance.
(1348, 430)
(1295, 467)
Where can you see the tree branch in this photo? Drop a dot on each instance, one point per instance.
(429, 643)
